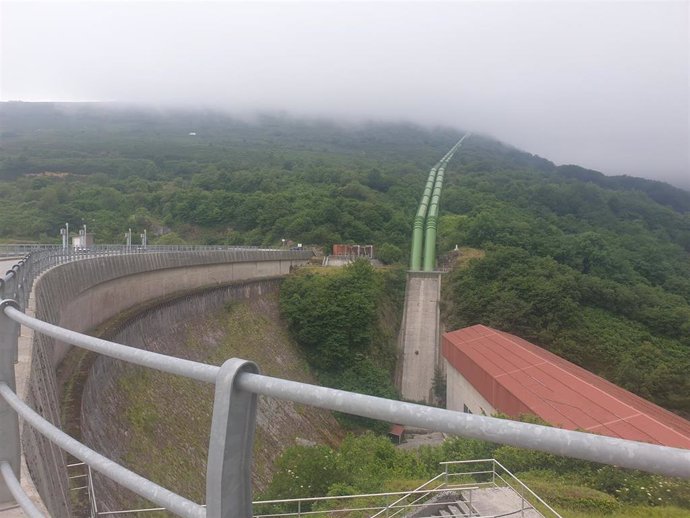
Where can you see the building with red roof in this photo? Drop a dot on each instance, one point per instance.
(491, 371)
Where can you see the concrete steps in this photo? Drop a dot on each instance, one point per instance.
(483, 502)
(492, 501)
(457, 510)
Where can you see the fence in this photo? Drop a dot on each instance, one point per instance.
(454, 488)
(237, 385)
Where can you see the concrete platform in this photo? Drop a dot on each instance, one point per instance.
(496, 501)
(420, 335)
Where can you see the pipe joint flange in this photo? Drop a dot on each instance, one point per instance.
(9, 303)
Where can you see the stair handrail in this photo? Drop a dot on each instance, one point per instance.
(524, 486)
(407, 495)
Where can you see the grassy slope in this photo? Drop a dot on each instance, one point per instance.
(159, 407)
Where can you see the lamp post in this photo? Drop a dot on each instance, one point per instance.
(64, 233)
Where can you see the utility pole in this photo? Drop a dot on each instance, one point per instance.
(143, 239)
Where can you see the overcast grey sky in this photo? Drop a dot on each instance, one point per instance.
(600, 84)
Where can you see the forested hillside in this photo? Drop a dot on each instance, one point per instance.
(595, 268)
(234, 182)
(596, 271)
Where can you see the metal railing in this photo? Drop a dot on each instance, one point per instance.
(86, 479)
(404, 503)
(332, 505)
(34, 259)
(237, 385)
(497, 472)
(422, 490)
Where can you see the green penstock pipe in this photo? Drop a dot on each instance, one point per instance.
(432, 191)
(431, 222)
(430, 244)
(418, 225)
(432, 213)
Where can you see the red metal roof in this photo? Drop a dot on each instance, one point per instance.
(518, 377)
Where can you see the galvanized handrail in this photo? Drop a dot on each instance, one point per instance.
(383, 508)
(494, 464)
(362, 495)
(408, 494)
(585, 446)
(17, 492)
(672, 461)
(513, 477)
(161, 362)
(237, 385)
(313, 499)
(123, 476)
(661, 459)
(581, 445)
(396, 506)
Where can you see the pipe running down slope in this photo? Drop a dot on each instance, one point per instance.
(427, 216)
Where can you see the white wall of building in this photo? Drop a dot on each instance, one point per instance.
(461, 393)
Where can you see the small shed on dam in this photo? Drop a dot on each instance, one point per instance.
(490, 371)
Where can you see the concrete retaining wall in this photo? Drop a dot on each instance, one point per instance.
(81, 295)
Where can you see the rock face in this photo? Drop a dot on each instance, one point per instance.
(158, 424)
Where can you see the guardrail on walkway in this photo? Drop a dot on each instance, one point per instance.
(237, 385)
(440, 491)
(500, 476)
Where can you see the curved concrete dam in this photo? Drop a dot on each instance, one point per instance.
(83, 294)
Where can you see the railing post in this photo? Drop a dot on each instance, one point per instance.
(228, 477)
(9, 421)
(92, 494)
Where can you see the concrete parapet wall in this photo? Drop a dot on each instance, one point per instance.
(82, 294)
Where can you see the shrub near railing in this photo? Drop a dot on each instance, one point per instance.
(572, 497)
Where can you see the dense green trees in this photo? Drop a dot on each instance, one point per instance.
(333, 316)
(599, 276)
(337, 316)
(235, 182)
(369, 464)
(595, 268)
